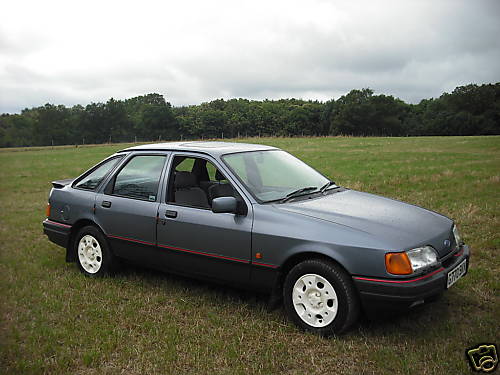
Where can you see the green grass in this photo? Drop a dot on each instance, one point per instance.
(54, 320)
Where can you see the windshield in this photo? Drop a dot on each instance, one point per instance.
(273, 174)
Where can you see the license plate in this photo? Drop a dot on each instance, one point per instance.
(456, 273)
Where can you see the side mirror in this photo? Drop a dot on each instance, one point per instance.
(224, 205)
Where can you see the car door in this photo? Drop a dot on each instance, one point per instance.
(194, 239)
(127, 208)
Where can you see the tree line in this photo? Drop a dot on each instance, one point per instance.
(468, 110)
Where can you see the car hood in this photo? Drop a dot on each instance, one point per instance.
(399, 225)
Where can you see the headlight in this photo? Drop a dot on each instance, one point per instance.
(458, 239)
(411, 261)
(422, 257)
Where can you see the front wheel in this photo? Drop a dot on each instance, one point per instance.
(93, 255)
(320, 297)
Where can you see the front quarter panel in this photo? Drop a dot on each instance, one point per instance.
(279, 235)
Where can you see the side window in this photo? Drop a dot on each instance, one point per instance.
(185, 165)
(140, 178)
(94, 178)
(211, 171)
(194, 182)
(214, 175)
(186, 176)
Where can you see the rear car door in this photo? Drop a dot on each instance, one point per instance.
(193, 238)
(127, 207)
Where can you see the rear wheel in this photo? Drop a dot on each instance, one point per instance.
(93, 255)
(320, 297)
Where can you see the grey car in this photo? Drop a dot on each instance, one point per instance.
(256, 217)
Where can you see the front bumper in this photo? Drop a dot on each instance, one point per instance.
(399, 294)
(58, 233)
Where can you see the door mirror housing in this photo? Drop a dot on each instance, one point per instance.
(225, 205)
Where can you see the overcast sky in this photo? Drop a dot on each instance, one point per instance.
(71, 52)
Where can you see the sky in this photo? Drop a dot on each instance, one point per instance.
(78, 52)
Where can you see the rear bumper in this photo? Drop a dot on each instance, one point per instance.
(389, 294)
(58, 233)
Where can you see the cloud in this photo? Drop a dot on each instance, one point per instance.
(194, 51)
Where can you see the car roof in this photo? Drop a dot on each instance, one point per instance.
(214, 148)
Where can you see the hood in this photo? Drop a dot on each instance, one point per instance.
(400, 225)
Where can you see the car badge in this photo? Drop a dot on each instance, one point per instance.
(447, 243)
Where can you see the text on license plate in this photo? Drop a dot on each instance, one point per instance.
(456, 273)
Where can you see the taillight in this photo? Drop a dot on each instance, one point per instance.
(47, 210)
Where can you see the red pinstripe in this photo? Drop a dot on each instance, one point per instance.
(131, 240)
(401, 281)
(203, 253)
(265, 264)
(192, 251)
(56, 223)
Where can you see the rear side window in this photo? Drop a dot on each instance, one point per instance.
(94, 178)
(140, 177)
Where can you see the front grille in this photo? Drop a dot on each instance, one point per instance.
(449, 258)
(447, 250)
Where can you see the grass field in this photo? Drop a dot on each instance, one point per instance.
(54, 320)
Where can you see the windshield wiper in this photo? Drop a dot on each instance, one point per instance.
(326, 186)
(298, 192)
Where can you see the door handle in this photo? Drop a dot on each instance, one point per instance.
(172, 214)
(106, 204)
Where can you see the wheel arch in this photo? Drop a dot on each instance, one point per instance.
(299, 257)
(70, 248)
(349, 312)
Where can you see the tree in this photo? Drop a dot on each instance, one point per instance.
(467, 110)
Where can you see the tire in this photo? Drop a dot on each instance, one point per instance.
(319, 297)
(92, 252)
